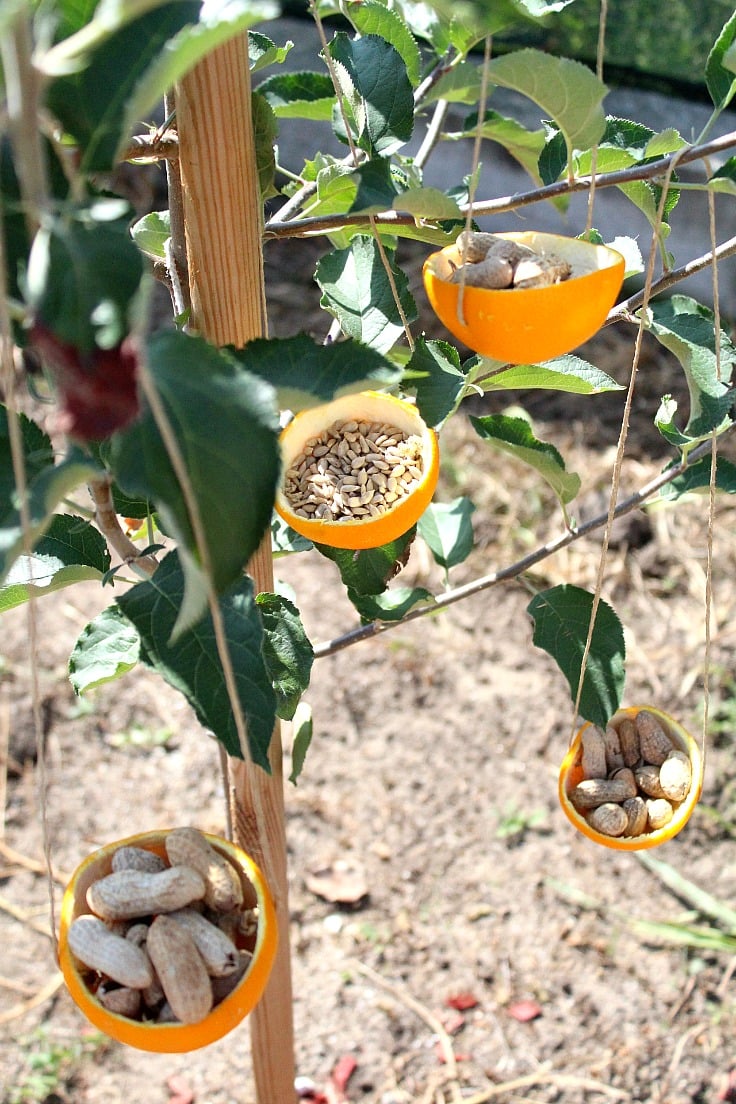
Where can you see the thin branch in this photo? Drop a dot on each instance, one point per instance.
(108, 523)
(485, 582)
(324, 224)
(674, 276)
(153, 147)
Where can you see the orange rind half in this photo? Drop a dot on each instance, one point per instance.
(172, 1038)
(528, 325)
(371, 407)
(571, 773)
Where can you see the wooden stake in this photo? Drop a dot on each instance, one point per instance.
(222, 219)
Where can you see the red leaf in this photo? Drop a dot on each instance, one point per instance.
(524, 1010)
(461, 1002)
(343, 1071)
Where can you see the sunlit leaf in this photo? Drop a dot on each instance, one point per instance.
(719, 68)
(372, 17)
(374, 81)
(306, 374)
(357, 290)
(696, 479)
(69, 551)
(447, 529)
(107, 647)
(151, 232)
(391, 605)
(302, 729)
(433, 372)
(687, 329)
(561, 618)
(564, 373)
(300, 95)
(566, 90)
(515, 437)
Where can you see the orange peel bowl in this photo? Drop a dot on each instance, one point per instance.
(369, 532)
(171, 1038)
(528, 325)
(571, 773)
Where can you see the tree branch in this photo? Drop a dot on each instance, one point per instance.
(323, 224)
(485, 582)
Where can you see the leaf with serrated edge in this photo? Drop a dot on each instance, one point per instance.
(392, 605)
(357, 291)
(565, 89)
(107, 648)
(286, 650)
(192, 664)
(515, 437)
(306, 374)
(433, 372)
(561, 618)
(686, 328)
(71, 550)
(565, 373)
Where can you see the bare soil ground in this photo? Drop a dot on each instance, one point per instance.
(434, 770)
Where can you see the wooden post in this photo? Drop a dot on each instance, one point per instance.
(222, 218)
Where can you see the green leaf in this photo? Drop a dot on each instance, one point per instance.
(71, 550)
(705, 903)
(151, 232)
(301, 95)
(38, 454)
(303, 729)
(225, 424)
(525, 146)
(284, 541)
(687, 329)
(697, 478)
(262, 51)
(448, 531)
(460, 84)
(392, 605)
(435, 375)
(83, 272)
(88, 103)
(377, 91)
(218, 24)
(719, 68)
(724, 178)
(287, 651)
(306, 374)
(664, 420)
(427, 203)
(565, 373)
(515, 437)
(265, 132)
(107, 648)
(370, 570)
(192, 664)
(46, 490)
(357, 291)
(566, 90)
(561, 618)
(372, 17)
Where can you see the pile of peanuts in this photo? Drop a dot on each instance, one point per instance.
(160, 943)
(354, 469)
(635, 777)
(492, 262)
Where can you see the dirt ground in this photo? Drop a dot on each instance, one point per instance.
(434, 770)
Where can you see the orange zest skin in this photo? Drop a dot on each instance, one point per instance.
(571, 773)
(528, 325)
(170, 1038)
(358, 533)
